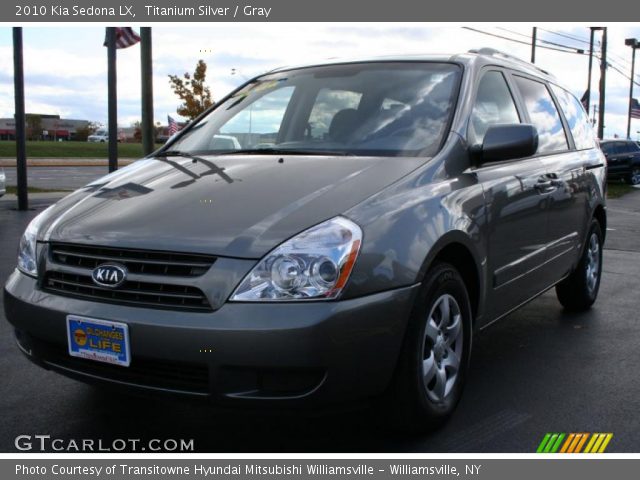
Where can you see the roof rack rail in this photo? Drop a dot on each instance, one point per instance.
(499, 53)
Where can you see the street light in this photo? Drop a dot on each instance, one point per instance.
(634, 44)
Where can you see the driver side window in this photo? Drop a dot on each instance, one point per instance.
(493, 105)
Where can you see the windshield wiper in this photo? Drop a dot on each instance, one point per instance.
(254, 151)
(282, 151)
(175, 153)
(213, 168)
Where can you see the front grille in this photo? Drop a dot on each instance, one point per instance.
(144, 262)
(70, 267)
(141, 294)
(177, 376)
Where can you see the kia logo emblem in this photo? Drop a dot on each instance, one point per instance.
(110, 275)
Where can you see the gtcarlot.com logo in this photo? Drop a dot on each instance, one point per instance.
(574, 443)
(45, 443)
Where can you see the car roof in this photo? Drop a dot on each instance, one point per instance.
(473, 58)
(609, 140)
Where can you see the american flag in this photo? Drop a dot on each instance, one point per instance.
(585, 98)
(125, 37)
(173, 125)
(635, 108)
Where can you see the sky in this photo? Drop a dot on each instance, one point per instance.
(66, 66)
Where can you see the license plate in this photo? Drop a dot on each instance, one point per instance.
(99, 340)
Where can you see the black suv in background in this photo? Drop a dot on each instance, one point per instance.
(623, 160)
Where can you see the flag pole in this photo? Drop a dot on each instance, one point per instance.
(148, 137)
(20, 119)
(112, 99)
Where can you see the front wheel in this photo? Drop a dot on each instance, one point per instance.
(579, 290)
(437, 346)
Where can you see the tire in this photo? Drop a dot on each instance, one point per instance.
(579, 290)
(634, 176)
(427, 387)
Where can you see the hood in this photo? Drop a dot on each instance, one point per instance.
(236, 206)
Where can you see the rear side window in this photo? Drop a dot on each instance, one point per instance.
(607, 148)
(544, 115)
(577, 119)
(494, 104)
(629, 147)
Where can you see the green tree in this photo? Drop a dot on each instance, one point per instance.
(137, 134)
(83, 133)
(34, 126)
(192, 90)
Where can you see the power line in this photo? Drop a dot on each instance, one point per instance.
(574, 51)
(541, 40)
(612, 65)
(565, 35)
(622, 73)
(622, 62)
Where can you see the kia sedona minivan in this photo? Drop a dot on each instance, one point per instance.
(360, 222)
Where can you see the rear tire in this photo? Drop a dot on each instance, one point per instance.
(433, 363)
(634, 176)
(579, 290)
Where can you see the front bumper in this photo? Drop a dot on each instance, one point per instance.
(293, 353)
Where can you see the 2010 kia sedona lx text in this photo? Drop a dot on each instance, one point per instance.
(323, 234)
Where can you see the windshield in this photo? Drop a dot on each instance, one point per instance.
(378, 109)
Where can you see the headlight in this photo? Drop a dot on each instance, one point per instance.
(27, 259)
(314, 265)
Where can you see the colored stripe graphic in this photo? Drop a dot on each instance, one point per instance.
(574, 443)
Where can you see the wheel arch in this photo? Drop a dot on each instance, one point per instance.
(457, 249)
(600, 214)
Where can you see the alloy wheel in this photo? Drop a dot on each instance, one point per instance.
(442, 350)
(593, 262)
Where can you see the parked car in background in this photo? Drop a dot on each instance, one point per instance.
(623, 160)
(225, 142)
(376, 214)
(3, 182)
(102, 136)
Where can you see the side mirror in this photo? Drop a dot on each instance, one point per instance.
(509, 141)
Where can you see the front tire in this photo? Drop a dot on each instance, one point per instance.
(579, 290)
(433, 363)
(634, 176)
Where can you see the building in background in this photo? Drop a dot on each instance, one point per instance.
(44, 127)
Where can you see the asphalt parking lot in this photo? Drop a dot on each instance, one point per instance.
(539, 370)
(63, 178)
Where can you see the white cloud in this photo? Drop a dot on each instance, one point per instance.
(65, 67)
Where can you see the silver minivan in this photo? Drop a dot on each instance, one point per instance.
(360, 222)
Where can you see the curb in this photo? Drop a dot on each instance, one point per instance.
(65, 162)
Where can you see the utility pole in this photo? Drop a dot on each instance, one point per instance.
(113, 99)
(603, 80)
(593, 29)
(633, 43)
(534, 36)
(147, 130)
(20, 119)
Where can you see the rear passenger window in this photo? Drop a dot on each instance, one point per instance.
(494, 104)
(544, 115)
(577, 119)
